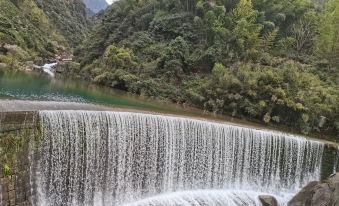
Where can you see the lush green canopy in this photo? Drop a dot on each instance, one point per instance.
(274, 61)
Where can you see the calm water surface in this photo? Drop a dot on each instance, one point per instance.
(32, 86)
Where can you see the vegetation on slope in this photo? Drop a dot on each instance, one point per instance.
(69, 17)
(35, 28)
(25, 32)
(274, 61)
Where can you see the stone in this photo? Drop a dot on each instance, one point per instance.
(305, 196)
(322, 195)
(29, 65)
(4, 196)
(317, 193)
(3, 65)
(11, 186)
(268, 200)
(11, 195)
(336, 194)
(4, 203)
(12, 202)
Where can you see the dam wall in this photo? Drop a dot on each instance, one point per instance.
(16, 131)
(19, 128)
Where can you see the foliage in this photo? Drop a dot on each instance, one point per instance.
(6, 170)
(69, 19)
(11, 145)
(328, 38)
(289, 93)
(40, 28)
(272, 61)
(256, 59)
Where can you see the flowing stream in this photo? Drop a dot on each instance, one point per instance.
(133, 159)
(48, 68)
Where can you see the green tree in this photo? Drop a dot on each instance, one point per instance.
(304, 32)
(119, 58)
(247, 30)
(174, 60)
(328, 34)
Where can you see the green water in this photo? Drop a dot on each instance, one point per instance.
(32, 86)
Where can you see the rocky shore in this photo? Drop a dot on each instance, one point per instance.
(19, 59)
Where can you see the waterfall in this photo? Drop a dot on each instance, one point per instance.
(203, 197)
(121, 158)
(48, 68)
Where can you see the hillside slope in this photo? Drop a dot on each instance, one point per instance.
(68, 16)
(40, 28)
(25, 26)
(258, 59)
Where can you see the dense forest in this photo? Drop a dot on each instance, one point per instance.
(268, 60)
(31, 29)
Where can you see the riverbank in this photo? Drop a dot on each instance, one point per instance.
(36, 64)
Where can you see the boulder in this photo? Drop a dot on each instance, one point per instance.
(268, 200)
(325, 193)
(3, 65)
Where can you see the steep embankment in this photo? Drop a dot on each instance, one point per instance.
(25, 32)
(245, 58)
(35, 28)
(68, 16)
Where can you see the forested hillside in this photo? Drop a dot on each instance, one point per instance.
(25, 31)
(36, 28)
(68, 16)
(271, 60)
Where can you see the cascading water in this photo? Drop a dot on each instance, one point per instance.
(121, 158)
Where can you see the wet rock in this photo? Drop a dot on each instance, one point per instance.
(318, 193)
(304, 197)
(268, 200)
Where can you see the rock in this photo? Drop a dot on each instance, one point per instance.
(29, 65)
(3, 65)
(37, 69)
(304, 197)
(268, 200)
(38, 61)
(322, 195)
(325, 193)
